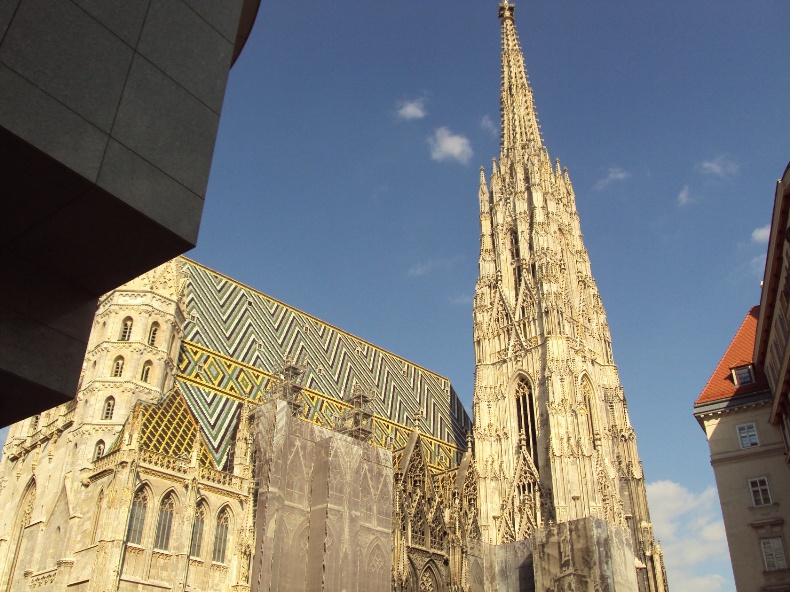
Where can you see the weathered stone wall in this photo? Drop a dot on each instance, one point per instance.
(314, 528)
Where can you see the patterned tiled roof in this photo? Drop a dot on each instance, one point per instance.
(721, 385)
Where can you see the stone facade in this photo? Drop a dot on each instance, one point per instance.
(553, 442)
(222, 440)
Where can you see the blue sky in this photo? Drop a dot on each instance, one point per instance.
(345, 184)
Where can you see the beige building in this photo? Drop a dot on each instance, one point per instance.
(222, 440)
(748, 459)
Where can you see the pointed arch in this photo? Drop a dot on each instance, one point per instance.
(221, 531)
(428, 580)
(418, 526)
(526, 415)
(23, 519)
(198, 526)
(117, 367)
(145, 374)
(164, 523)
(134, 532)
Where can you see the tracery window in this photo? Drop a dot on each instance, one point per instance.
(428, 582)
(526, 417)
(152, 333)
(196, 545)
(134, 534)
(418, 527)
(221, 536)
(126, 330)
(165, 523)
(98, 450)
(109, 407)
(437, 530)
(117, 367)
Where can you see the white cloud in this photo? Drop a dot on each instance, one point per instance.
(691, 532)
(760, 235)
(412, 109)
(488, 125)
(615, 174)
(684, 197)
(446, 145)
(721, 166)
(421, 268)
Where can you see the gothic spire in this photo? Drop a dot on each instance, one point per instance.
(519, 122)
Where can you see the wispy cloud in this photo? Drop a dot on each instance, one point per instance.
(684, 197)
(615, 174)
(487, 124)
(721, 166)
(462, 299)
(760, 235)
(445, 145)
(757, 264)
(691, 531)
(414, 109)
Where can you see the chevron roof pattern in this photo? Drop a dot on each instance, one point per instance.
(257, 331)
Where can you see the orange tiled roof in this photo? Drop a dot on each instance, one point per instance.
(721, 385)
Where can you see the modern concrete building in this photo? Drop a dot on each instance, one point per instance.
(747, 455)
(108, 117)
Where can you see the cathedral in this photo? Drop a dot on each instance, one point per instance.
(221, 440)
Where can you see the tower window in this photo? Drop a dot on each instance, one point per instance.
(761, 494)
(527, 421)
(152, 333)
(109, 407)
(126, 330)
(146, 373)
(98, 450)
(117, 367)
(747, 434)
(773, 553)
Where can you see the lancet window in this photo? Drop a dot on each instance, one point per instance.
(196, 544)
(134, 534)
(117, 367)
(152, 332)
(418, 526)
(146, 373)
(98, 450)
(221, 536)
(527, 419)
(165, 523)
(109, 407)
(97, 516)
(126, 330)
(515, 256)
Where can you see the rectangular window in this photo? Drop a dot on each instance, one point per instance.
(747, 434)
(773, 554)
(761, 494)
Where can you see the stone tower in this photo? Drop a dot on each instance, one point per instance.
(554, 444)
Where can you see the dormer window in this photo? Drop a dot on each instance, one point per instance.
(743, 375)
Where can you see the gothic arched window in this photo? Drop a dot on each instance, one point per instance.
(526, 417)
(146, 373)
(152, 333)
(117, 367)
(428, 581)
(134, 534)
(418, 527)
(515, 256)
(589, 401)
(109, 405)
(165, 523)
(98, 450)
(196, 544)
(221, 536)
(126, 330)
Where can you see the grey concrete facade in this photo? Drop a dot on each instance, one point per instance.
(108, 118)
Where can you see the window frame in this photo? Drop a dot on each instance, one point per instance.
(164, 522)
(746, 433)
(773, 552)
(760, 491)
(222, 525)
(126, 329)
(108, 409)
(742, 375)
(136, 526)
